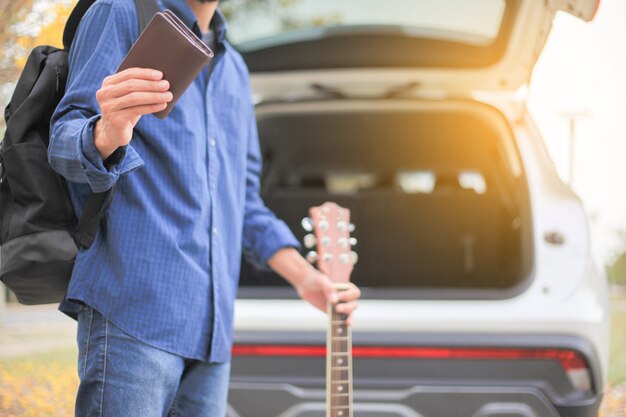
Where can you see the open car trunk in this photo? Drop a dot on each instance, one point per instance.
(436, 191)
(366, 48)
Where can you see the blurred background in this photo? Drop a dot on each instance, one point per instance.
(577, 97)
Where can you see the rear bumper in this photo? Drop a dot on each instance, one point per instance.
(286, 400)
(294, 386)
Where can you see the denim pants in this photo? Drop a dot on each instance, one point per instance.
(121, 376)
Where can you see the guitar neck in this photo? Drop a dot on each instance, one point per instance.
(331, 226)
(339, 364)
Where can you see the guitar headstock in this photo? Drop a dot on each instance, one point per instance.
(330, 226)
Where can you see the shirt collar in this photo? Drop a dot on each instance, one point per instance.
(219, 25)
(187, 15)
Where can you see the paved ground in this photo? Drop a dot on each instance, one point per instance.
(25, 330)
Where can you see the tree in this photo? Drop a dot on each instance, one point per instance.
(11, 11)
(616, 269)
(30, 23)
(50, 34)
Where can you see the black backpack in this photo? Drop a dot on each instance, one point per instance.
(40, 234)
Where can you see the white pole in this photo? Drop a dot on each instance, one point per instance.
(572, 138)
(573, 116)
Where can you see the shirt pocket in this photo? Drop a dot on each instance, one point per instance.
(232, 114)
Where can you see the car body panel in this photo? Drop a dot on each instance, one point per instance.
(283, 385)
(563, 302)
(291, 69)
(564, 295)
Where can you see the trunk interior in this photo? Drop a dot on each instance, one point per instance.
(436, 191)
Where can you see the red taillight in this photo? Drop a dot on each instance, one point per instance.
(572, 362)
(567, 358)
(271, 350)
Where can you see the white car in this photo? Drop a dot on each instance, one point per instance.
(480, 296)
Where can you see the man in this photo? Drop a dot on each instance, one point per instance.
(154, 294)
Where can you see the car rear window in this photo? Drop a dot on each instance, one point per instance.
(437, 198)
(476, 21)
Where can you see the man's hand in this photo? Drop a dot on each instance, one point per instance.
(318, 290)
(123, 98)
(311, 285)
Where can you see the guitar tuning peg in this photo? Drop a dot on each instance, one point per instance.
(324, 225)
(328, 257)
(351, 227)
(354, 257)
(310, 240)
(344, 258)
(311, 257)
(352, 241)
(307, 224)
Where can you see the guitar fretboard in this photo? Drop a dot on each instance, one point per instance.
(339, 358)
(331, 226)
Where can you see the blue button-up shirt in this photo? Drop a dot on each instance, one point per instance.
(164, 266)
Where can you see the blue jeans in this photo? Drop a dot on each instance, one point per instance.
(121, 376)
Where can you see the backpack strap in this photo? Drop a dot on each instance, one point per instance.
(73, 21)
(145, 10)
(97, 203)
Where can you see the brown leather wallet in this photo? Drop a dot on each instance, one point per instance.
(168, 45)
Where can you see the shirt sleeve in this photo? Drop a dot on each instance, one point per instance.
(101, 42)
(263, 233)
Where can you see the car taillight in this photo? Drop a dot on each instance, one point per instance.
(572, 362)
(278, 350)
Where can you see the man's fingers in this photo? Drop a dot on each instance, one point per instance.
(136, 84)
(332, 294)
(137, 98)
(350, 294)
(135, 72)
(142, 110)
(348, 302)
(346, 308)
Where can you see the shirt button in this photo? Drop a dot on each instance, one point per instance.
(212, 141)
(215, 230)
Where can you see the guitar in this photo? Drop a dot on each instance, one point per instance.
(331, 229)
